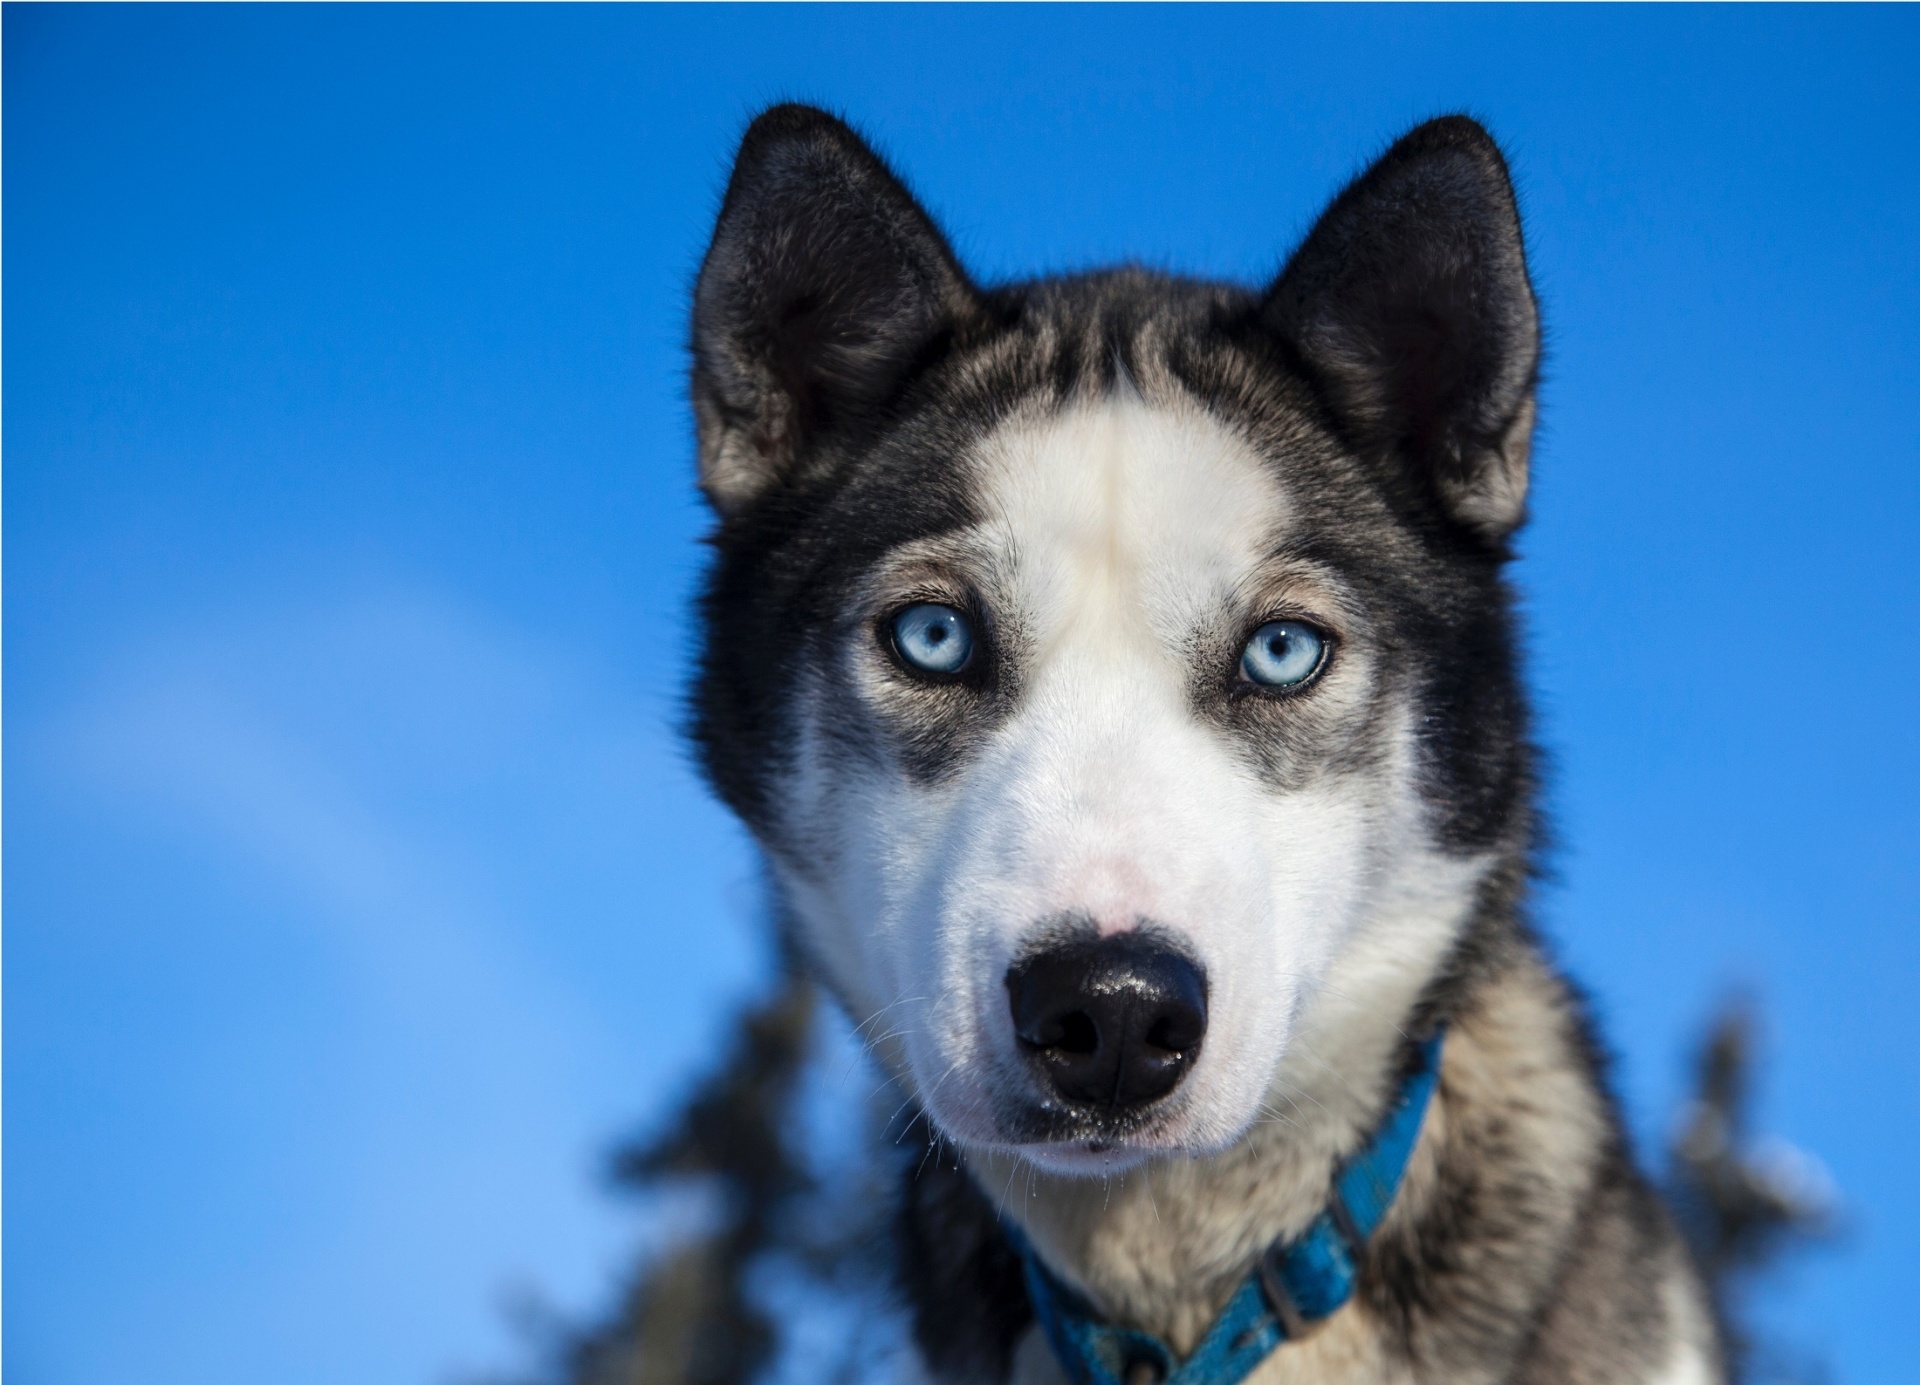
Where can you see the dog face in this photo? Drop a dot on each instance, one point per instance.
(1116, 670)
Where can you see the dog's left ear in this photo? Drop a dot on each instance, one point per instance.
(1410, 308)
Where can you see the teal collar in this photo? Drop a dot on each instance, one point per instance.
(1294, 1288)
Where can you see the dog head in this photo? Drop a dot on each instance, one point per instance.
(1117, 669)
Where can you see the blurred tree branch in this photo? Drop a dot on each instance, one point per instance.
(1743, 1205)
(688, 1319)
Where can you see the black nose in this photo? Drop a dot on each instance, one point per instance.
(1113, 1021)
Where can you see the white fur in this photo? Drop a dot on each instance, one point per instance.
(1118, 539)
(1689, 1366)
(1692, 1333)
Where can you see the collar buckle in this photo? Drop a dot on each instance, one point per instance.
(1297, 1325)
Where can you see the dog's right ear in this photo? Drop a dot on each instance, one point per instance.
(824, 286)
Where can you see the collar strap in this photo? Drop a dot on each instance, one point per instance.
(1294, 1288)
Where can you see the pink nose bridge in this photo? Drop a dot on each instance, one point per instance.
(1113, 890)
(1109, 808)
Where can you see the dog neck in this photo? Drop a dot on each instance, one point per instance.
(1164, 1245)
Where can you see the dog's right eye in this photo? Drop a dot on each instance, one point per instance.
(933, 638)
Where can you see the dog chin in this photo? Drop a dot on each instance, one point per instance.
(1085, 1158)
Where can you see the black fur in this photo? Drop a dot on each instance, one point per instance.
(1410, 308)
(961, 1275)
(824, 286)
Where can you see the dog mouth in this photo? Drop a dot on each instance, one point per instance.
(1100, 1131)
(1095, 1153)
(1010, 1109)
(1087, 1139)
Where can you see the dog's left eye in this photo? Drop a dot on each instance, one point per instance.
(1283, 654)
(933, 638)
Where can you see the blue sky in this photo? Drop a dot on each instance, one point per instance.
(358, 894)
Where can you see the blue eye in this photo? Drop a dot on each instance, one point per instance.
(933, 638)
(1283, 654)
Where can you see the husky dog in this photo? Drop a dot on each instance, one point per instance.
(1119, 676)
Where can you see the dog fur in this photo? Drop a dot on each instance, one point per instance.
(1116, 476)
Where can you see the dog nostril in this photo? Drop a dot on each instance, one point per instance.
(1071, 1031)
(1114, 1021)
(1077, 1033)
(1176, 1033)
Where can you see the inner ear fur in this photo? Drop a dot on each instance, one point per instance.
(824, 286)
(1410, 308)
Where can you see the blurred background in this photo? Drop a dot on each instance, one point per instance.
(359, 898)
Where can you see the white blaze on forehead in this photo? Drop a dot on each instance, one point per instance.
(1126, 529)
(1125, 520)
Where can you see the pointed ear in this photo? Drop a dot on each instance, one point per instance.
(824, 286)
(1410, 307)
